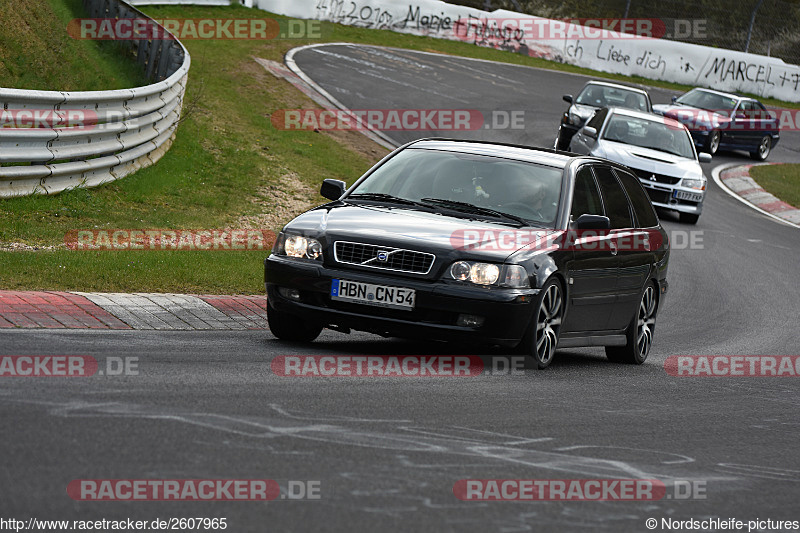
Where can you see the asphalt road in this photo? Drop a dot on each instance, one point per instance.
(388, 451)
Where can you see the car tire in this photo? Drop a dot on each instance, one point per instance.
(291, 328)
(712, 142)
(764, 149)
(688, 218)
(541, 339)
(639, 335)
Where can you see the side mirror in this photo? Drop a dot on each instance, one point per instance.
(332, 189)
(740, 116)
(592, 222)
(704, 157)
(674, 99)
(590, 132)
(567, 98)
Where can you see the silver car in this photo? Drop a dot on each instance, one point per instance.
(658, 149)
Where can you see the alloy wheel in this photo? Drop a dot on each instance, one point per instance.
(713, 144)
(646, 321)
(763, 148)
(548, 324)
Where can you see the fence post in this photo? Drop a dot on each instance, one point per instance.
(750, 29)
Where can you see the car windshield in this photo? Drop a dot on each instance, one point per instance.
(649, 134)
(475, 185)
(708, 101)
(604, 96)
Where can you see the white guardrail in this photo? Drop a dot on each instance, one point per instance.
(134, 128)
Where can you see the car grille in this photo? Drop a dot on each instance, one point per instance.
(662, 197)
(354, 253)
(660, 178)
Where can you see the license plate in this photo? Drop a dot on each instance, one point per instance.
(690, 196)
(369, 294)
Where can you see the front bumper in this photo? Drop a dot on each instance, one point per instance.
(507, 313)
(663, 195)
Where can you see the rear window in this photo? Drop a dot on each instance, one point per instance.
(645, 214)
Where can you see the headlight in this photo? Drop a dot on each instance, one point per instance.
(460, 270)
(699, 184)
(489, 274)
(484, 273)
(574, 117)
(303, 247)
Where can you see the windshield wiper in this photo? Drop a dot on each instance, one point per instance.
(383, 197)
(476, 209)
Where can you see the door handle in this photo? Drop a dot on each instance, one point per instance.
(613, 246)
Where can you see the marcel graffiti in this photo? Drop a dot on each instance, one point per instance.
(723, 69)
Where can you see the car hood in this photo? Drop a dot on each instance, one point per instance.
(397, 227)
(584, 111)
(647, 159)
(683, 112)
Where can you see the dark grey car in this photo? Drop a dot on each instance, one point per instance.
(596, 95)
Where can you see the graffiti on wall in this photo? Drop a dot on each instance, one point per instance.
(564, 41)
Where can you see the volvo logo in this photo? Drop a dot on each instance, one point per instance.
(382, 256)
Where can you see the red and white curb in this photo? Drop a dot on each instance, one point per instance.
(99, 310)
(736, 181)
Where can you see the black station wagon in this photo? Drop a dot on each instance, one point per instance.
(505, 245)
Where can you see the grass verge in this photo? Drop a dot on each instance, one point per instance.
(229, 167)
(37, 53)
(781, 180)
